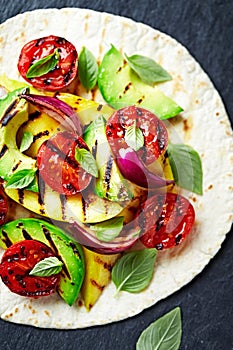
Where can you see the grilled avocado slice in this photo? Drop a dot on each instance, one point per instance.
(121, 87)
(110, 183)
(66, 249)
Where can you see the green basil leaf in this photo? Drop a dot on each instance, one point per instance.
(134, 137)
(26, 141)
(108, 230)
(33, 186)
(163, 334)
(44, 65)
(47, 267)
(88, 69)
(21, 178)
(86, 161)
(133, 272)
(147, 69)
(186, 167)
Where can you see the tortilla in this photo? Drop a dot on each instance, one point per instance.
(204, 125)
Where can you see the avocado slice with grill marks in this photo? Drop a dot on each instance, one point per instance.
(66, 249)
(110, 184)
(120, 86)
(13, 112)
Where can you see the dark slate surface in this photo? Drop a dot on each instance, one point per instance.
(205, 28)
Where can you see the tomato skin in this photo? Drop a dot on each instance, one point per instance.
(18, 260)
(65, 71)
(58, 166)
(3, 207)
(153, 129)
(165, 220)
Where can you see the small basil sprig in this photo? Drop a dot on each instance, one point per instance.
(87, 69)
(108, 230)
(186, 167)
(165, 333)
(147, 69)
(44, 65)
(133, 272)
(134, 137)
(86, 161)
(47, 267)
(21, 179)
(26, 141)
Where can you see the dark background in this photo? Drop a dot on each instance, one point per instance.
(206, 29)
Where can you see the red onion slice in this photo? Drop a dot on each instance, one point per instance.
(86, 237)
(56, 109)
(134, 170)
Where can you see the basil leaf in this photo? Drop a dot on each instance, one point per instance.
(133, 272)
(44, 65)
(147, 69)
(33, 186)
(47, 267)
(26, 141)
(88, 69)
(186, 167)
(108, 230)
(134, 137)
(21, 178)
(163, 334)
(86, 161)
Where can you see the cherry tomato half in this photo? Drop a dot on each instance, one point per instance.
(57, 164)
(165, 220)
(18, 260)
(154, 132)
(3, 207)
(64, 72)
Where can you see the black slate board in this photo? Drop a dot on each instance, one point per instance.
(205, 28)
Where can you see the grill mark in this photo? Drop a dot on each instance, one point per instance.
(75, 250)
(99, 107)
(108, 174)
(26, 234)
(41, 192)
(7, 116)
(39, 42)
(34, 115)
(63, 205)
(21, 195)
(40, 134)
(6, 239)
(84, 207)
(97, 285)
(3, 150)
(104, 264)
(54, 247)
(94, 149)
(16, 165)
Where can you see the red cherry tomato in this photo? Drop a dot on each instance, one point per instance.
(18, 260)
(153, 129)
(165, 220)
(59, 77)
(57, 164)
(3, 207)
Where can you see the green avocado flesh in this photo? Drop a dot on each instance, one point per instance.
(121, 87)
(110, 183)
(13, 114)
(66, 249)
